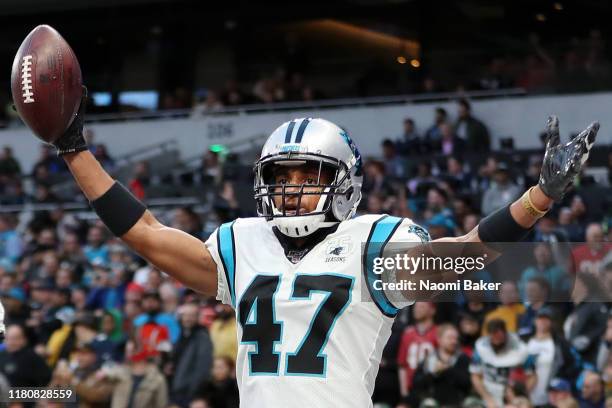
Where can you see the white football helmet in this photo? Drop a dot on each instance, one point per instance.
(307, 141)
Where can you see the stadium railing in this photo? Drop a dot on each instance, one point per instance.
(317, 104)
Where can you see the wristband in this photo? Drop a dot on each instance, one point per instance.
(499, 226)
(529, 207)
(118, 209)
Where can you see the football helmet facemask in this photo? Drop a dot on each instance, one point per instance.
(325, 147)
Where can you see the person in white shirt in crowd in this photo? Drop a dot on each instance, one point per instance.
(496, 358)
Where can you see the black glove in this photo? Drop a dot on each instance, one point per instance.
(72, 140)
(562, 163)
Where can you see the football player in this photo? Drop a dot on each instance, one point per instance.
(308, 335)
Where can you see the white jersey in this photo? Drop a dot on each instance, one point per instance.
(311, 333)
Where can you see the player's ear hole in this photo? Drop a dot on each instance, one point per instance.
(349, 193)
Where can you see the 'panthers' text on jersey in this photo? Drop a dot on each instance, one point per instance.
(309, 334)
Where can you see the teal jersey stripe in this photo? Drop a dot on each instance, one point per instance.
(380, 234)
(227, 251)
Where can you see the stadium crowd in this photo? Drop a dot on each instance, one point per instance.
(84, 311)
(579, 65)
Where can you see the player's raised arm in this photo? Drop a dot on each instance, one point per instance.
(48, 107)
(562, 163)
(172, 251)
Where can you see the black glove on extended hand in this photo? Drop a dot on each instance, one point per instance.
(72, 140)
(562, 163)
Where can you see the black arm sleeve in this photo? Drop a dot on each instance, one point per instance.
(499, 226)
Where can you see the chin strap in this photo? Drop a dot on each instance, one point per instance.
(301, 226)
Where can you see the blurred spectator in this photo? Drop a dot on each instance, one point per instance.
(444, 374)
(417, 342)
(44, 195)
(221, 390)
(9, 166)
(232, 95)
(516, 393)
(496, 75)
(509, 310)
(456, 176)
(546, 231)
(199, 402)
(141, 179)
(11, 245)
(141, 276)
(266, 90)
(62, 340)
(537, 293)
(394, 165)
(550, 356)
(226, 205)
(501, 193)
(108, 288)
(532, 176)
(208, 103)
(558, 391)
(18, 361)
(15, 307)
(132, 308)
(86, 329)
(437, 216)
(96, 250)
(579, 210)
(139, 383)
(496, 358)
(169, 294)
(433, 136)
(587, 322)
(47, 165)
(79, 297)
(111, 330)
(154, 316)
(210, 170)
(592, 392)
(450, 143)
(223, 333)
(375, 181)
(571, 228)
(587, 257)
(423, 180)
(474, 305)
(546, 268)
(191, 357)
(92, 390)
(461, 208)
(469, 332)
(470, 129)
(409, 144)
(603, 354)
(99, 150)
(485, 174)
(13, 193)
(187, 220)
(72, 251)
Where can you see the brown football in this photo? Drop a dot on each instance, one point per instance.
(46, 83)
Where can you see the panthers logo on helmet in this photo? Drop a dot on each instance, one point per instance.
(354, 149)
